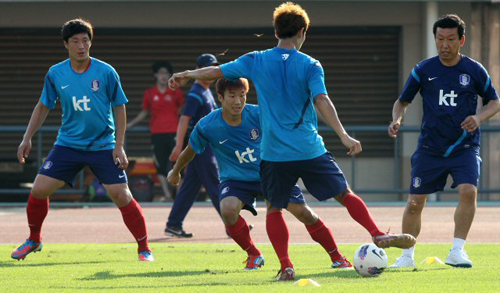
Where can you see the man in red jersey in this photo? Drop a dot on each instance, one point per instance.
(164, 104)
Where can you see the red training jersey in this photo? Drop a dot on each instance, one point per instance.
(164, 109)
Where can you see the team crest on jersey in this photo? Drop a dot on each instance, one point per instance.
(156, 98)
(254, 134)
(464, 80)
(95, 85)
(417, 182)
(168, 98)
(47, 165)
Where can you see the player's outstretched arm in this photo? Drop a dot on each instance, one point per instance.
(329, 113)
(187, 155)
(207, 73)
(143, 114)
(398, 111)
(37, 118)
(119, 156)
(471, 123)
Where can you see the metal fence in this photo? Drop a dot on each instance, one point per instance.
(352, 130)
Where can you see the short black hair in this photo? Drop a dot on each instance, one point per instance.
(450, 21)
(76, 26)
(162, 64)
(225, 84)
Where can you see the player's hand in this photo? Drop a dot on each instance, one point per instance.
(178, 79)
(23, 151)
(174, 177)
(352, 144)
(120, 158)
(393, 129)
(175, 154)
(471, 123)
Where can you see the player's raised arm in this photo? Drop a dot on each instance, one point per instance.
(119, 156)
(325, 106)
(397, 115)
(37, 118)
(207, 73)
(187, 155)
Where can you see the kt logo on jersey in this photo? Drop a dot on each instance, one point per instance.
(82, 104)
(447, 99)
(242, 156)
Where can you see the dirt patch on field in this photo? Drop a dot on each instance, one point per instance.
(105, 225)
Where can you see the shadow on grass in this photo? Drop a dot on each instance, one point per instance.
(181, 240)
(107, 275)
(159, 287)
(14, 263)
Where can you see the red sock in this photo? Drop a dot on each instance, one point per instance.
(277, 230)
(36, 210)
(323, 235)
(359, 212)
(241, 235)
(134, 220)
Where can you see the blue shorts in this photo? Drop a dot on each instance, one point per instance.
(64, 163)
(248, 191)
(429, 172)
(321, 176)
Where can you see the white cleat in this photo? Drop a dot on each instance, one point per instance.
(458, 258)
(403, 262)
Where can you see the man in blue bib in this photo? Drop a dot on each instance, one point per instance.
(92, 134)
(449, 84)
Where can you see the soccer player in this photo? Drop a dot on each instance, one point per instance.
(203, 169)
(92, 133)
(234, 134)
(290, 84)
(165, 105)
(449, 140)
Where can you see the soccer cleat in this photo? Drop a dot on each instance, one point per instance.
(342, 263)
(394, 240)
(146, 256)
(28, 247)
(288, 274)
(458, 258)
(254, 262)
(177, 232)
(404, 261)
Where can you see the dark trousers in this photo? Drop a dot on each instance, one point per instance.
(202, 170)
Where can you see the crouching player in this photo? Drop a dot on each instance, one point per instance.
(234, 134)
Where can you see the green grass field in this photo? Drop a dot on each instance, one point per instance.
(218, 268)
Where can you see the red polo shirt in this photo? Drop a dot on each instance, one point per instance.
(164, 109)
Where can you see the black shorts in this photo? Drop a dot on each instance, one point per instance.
(163, 144)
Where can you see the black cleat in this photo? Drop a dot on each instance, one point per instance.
(177, 232)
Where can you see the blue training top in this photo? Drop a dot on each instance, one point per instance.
(86, 100)
(449, 96)
(286, 83)
(237, 148)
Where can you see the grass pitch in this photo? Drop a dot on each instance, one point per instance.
(218, 268)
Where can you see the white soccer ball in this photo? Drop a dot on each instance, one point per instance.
(370, 260)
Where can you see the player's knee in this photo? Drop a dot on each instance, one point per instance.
(468, 194)
(304, 214)
(415, 204)
(40, 192)
(229, 214)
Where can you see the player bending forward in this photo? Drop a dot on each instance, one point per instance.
(234, 134)
(89, 91)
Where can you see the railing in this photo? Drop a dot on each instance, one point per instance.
(352, 130)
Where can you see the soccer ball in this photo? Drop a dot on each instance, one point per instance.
(370, 260)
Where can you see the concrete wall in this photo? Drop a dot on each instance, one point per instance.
(371, 173)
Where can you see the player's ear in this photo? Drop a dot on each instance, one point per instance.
(65, 44)
(220, 98)
(462, 41)
(276, 34)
